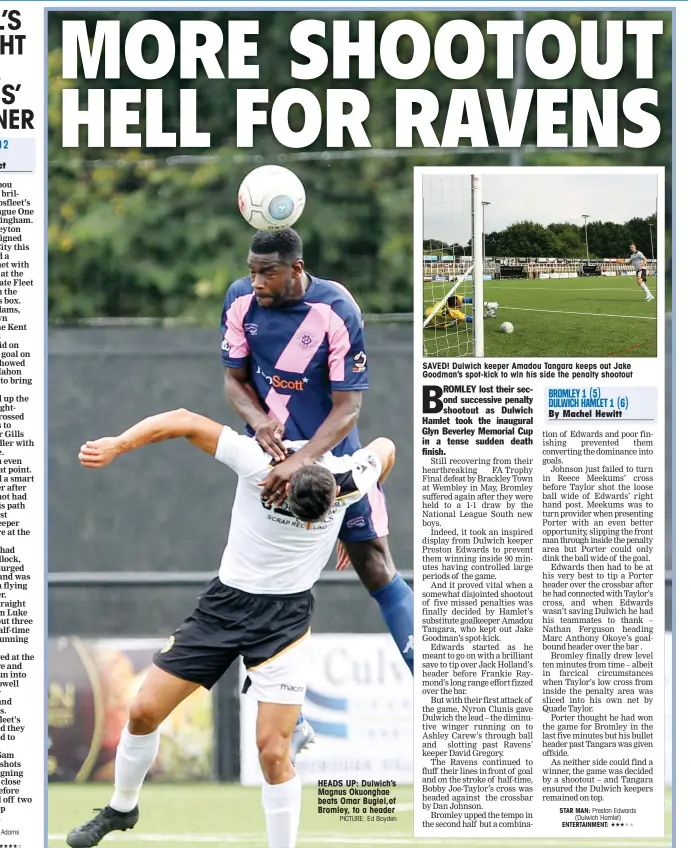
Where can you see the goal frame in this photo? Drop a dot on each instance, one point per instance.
(474, 272)
(477, 218)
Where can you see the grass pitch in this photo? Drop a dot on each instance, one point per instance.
(215, 815)
(584, 316)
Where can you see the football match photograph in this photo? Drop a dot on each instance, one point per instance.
(225, 433)
(232, 337)
(563, 261)
(293, 367)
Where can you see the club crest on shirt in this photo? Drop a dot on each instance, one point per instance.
(251, 329)
(168, 645)
(359, 362)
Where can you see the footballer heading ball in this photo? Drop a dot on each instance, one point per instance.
(271, 198)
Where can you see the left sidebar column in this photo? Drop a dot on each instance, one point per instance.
(22, 427)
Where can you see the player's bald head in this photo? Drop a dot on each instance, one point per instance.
(286, 244)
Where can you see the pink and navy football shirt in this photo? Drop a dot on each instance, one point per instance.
(299, 354)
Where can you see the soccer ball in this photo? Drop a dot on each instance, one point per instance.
(506, 327)
(271, 198)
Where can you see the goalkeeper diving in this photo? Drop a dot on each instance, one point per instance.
(448, 313)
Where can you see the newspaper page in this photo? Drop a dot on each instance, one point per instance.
(541, 602)
(408, 274)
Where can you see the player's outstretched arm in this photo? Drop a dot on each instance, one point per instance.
(336, 426)
(385, 450)
(202, 432)
(243, 399)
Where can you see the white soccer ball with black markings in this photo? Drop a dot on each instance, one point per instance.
(271, 198)
(506, 327)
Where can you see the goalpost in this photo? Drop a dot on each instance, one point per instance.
(453, 284)
(478, 267)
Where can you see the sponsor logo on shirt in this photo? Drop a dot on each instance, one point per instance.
(280, 508)
(288, 688)
(294, 385)
(306, 340)
(281, 383)
(251, 329)
(360, 362)
(282, 515)
(356, 522)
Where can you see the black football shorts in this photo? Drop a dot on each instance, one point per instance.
(270, 633)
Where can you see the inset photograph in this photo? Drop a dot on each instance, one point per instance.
(550, 262)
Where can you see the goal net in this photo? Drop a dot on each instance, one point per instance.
(452, 270)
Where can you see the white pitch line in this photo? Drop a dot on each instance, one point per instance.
(191, 838)
(563, 312)
(406, 841)
(523, 288)
(198, 838)
(510, 841)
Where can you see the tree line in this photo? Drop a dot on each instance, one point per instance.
(606, 240)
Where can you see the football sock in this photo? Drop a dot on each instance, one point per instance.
(397, 608)
(134, 757)
(645, 289)
(281, 803)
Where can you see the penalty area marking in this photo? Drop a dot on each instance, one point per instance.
(589, 314)
(524, 288)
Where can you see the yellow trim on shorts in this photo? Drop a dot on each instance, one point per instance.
(282, 651)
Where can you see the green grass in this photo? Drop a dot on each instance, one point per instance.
(590, 316)
(199, 815)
